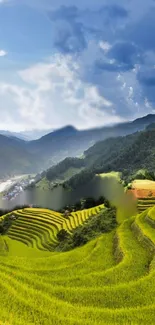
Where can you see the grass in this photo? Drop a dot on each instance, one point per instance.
(116, 175)
(45, 184)
(109, 281)
(71, 172)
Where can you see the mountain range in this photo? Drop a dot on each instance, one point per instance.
(20, 156)
(26, 135)
(126, 154)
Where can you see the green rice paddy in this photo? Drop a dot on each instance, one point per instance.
(145, 203)
(109, 281)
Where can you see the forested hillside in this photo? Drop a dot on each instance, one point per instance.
(125, 154)
(19, 156)
(59, 170)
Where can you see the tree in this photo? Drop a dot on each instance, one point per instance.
(79, 238)
(62, 235)
(89, 203)
(1, 229)
(107, 204)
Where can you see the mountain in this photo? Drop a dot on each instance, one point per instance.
(15, 158)
(145, 120)
(59, 144)
(150, 126)
(126, 154)
(26, 135)
(18, 156)
(12, 135)
(71, 142)
(34, 134)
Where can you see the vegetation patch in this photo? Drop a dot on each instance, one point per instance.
(116, 175)
(104, 221)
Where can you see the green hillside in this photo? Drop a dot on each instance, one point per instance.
(110, 280)
(131, 155)
(126, 154)
(61, 172)
(19, 156)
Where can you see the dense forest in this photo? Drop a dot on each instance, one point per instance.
(57, 170)
(125, 154)
(86, 203)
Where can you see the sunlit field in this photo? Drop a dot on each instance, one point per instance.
(144, 191)
(144, 184)
(110, 280)
(116, 175)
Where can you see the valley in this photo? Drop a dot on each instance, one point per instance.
(5, 185)
(35, 156)
(77, 162)
(79, 240)
(55, 198)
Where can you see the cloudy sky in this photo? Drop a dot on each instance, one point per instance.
(87, 63)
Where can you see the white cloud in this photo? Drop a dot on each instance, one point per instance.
(105, 46)
(53, 95)
(130, 93)
(3, 53)
(147, 104)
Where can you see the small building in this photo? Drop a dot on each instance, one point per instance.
(13, 217)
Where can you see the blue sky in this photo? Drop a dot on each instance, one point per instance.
(85, 63)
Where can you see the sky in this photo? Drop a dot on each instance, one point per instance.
(86, 63)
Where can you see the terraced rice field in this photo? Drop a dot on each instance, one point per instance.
(78, 218)
(143, 188)
(144, 184)
(38, 228)
(144, 191)
(109, 281)
(145, 203)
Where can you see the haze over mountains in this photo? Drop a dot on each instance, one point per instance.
(26, 135)
(38, 155)
(128, 155)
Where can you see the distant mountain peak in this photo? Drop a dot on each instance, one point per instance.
(65, 131)
(147, 118)
(67, 128)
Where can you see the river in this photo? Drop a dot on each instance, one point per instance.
(57, 198)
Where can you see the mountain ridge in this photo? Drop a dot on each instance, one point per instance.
(126, 154)
(52, 148)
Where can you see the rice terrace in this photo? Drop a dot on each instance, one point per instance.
(144, 191)
(110, 280)
(77, 162)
